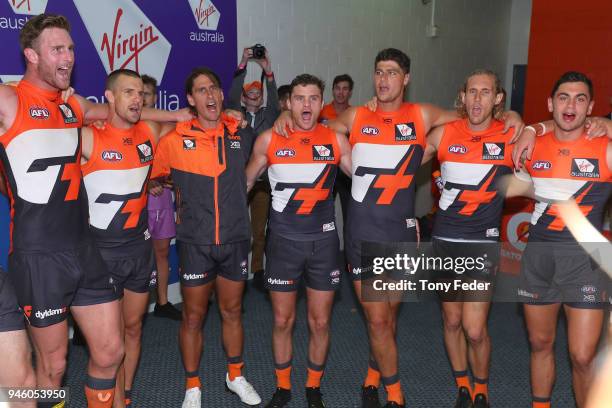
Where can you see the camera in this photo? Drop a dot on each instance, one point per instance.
(259, 51)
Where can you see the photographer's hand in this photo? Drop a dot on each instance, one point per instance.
(264, 63)
(246, 55)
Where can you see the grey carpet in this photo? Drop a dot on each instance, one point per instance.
(424, 369)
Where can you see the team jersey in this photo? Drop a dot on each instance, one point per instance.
(207, 169)
(472, 164)
(302, 171)
(387, 149)
(567, 170)
(116, 177)
(328, 113)
(40, 156)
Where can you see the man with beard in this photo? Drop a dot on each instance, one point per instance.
(206, 158)
(302, 239)
(474, 154)
(115, 163)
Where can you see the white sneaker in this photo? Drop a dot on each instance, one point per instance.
(193, 398)
(241, 387)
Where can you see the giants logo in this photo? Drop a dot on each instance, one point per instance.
(29, 7)
(125, 37)
(206, 14)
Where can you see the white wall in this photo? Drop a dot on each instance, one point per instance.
(518, 44)
(330, 37)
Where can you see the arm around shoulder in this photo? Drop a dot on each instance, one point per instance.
(259, 158)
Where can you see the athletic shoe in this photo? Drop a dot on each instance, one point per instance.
(193, 398)
(314, 397)
(393, 404)
(243, 389)
(481, 401)
(369, 397)
(464, 400)
(168, 311)
(280, 398)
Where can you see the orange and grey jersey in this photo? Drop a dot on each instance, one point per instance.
(40, 156)
(472, 165)
(116, 177)
(561, 171)
(302, 171)
(207, 167)
(387, 149)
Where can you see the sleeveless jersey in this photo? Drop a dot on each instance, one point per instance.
(116, 177)
(328, 113)
(302, 171)
(40, 156)
(472, 164)
(387, 152)
(562, 170)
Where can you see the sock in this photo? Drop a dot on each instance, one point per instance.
(315, 372)
(234, 367)
(538, 402)
(100, 392)
(463, 380)
(373, 376)
(128, 397)
(192, 380)
(481, 386)
(394, 389)
(283, 375)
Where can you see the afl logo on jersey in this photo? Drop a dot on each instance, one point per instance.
(457, 149)
(370, 131)
(493, 151)
(541, 165)
(405, 132)
(285, 153)
(322, 152)
(145, 152)
(588, 168)
(189, 144)
(111, 156)
(39, 113)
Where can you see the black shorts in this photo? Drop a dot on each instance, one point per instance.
(359, 255)
(469, 268)
(561, 272)
(200, 264)
(288, 261)
(130, 272)
(48, 283)
(11, 318)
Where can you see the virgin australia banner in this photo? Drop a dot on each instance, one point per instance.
(161, 38)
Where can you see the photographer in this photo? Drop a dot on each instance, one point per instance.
(260, 118)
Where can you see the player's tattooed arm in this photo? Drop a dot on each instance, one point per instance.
(259, 158)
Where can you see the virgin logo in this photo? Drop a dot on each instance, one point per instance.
(125, 37)
(127, 49)
(30, 7)
(206, 14)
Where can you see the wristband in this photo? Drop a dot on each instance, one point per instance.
(531, 128)
(543, 127)
(241, 67)
(270, 75)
